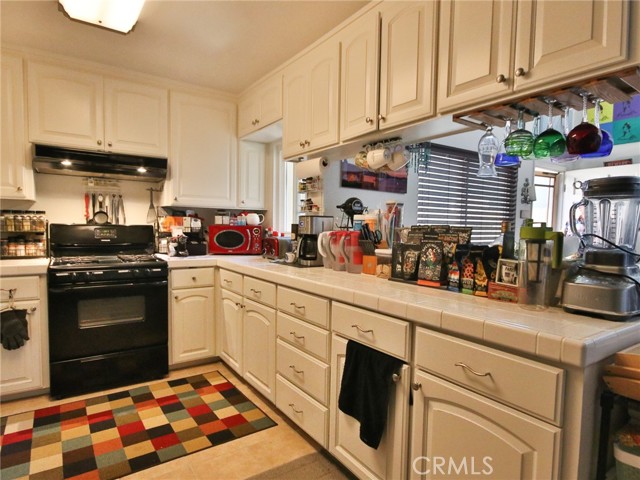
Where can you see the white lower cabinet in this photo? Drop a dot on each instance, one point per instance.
(231, 330)
(192, 315)
(259, 346)
(26, 368)
(458, 432)
(388, 461)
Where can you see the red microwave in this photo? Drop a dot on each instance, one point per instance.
(235, 240)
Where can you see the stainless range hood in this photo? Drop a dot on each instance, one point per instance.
(85, 163)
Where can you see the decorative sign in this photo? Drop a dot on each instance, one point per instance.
(621, 120)
(353, 176)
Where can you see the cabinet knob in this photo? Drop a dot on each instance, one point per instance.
(369, 120)
(19, 189)
(520, 72)
(307, 143)
(301, 144)
(193, 278)
(381, 117)
(99, 142)
(257, 121)
(110, 144)
(177, 297)
(175, 199)
(416, 386)
(501, 78)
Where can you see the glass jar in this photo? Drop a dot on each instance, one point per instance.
(21, 248)
(26, 223)
(4, 247)
(9, 222)
(17, 222)
(31, 249)
(40, 248)
(42, 222)
(12, 247)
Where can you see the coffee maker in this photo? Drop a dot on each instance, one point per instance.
(606, 282)
(309, 227)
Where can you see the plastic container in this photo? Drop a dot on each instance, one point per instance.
(383, 262)
(358, 220)
(535, 267)
(626, 451)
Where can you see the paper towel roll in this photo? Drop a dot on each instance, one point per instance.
(314, 167)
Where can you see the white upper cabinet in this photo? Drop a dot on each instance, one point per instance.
(86, 110)
(522, 46)
(261, 106)
(251, 178)
(310, 101)
(16, 175)
(203, 152)
(398, 41)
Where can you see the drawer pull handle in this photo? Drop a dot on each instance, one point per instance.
(293, 367)
(297, 307)
(467, 367)
(360, 329)
(297, 337)
(395, 377)
(257, 292)
(293, 407)
(416, 386)
(228, 282)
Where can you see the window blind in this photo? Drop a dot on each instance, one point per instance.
(450, 193)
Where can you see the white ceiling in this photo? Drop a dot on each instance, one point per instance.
(225, 45)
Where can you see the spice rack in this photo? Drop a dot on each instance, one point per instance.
(310, 195)
(23, 234)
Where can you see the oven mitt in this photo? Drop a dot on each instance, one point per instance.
(13, 328)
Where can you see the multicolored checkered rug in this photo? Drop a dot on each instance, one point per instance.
(113, 435)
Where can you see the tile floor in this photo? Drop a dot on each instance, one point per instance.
(238, 459)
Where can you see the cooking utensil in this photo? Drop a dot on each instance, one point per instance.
(121, 210)
(93, 204)
(86, 206)
(152, 215)
(100, 217)
(115, 213)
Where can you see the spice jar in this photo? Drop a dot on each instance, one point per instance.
(26, 223)
(4, 247)
(21, 248)
(9, 222)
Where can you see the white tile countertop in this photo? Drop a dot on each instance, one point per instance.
(552, 334)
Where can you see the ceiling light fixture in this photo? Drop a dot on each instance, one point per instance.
(119, 15)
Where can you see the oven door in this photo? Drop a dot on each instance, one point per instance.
(89, 320)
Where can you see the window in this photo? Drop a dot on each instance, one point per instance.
(543, 207)
(284, 191)
(450, 192)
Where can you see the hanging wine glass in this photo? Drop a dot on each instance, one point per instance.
(487, 151)
(535, 131)
(566, 157)
(585, 137)
(607, 142)
(520, 141)
(502, 158)
(549, 143)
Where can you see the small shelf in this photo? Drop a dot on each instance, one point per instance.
(310, 200)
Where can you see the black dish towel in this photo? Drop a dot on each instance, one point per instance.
(364, 391)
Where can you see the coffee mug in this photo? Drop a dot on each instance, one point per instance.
(254, 218)
(378, 158)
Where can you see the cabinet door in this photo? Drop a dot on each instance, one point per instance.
(322, 106)
(22, 368)
(16, 176)
(294, 110)
(231, 330)
(203, 151)
(476, 436)
(251, 175)
(389, 460)
(248, 113)
(65, 107)
(557, 40)
(359, 76)
(136, 118)
(407, 62)
(192, 320)
(259, 345)
(473, 64)
(270, 101)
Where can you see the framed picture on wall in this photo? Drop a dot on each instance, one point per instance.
(353, 176)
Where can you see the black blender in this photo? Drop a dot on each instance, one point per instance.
(606, 281)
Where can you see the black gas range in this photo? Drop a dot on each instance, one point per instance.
(108, 308)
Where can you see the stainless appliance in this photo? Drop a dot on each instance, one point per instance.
(235, 239)
(108, 308)
(309, 227)
(606, 282)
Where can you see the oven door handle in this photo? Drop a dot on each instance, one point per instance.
(76, 288)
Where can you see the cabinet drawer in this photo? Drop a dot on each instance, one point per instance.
(308, 414)
(303, 371)
(308, 307)
(259, 291)
(381, 332)
(25, 288)
(305, 336)
(526, 384)
(231, 281)
(191, 277)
